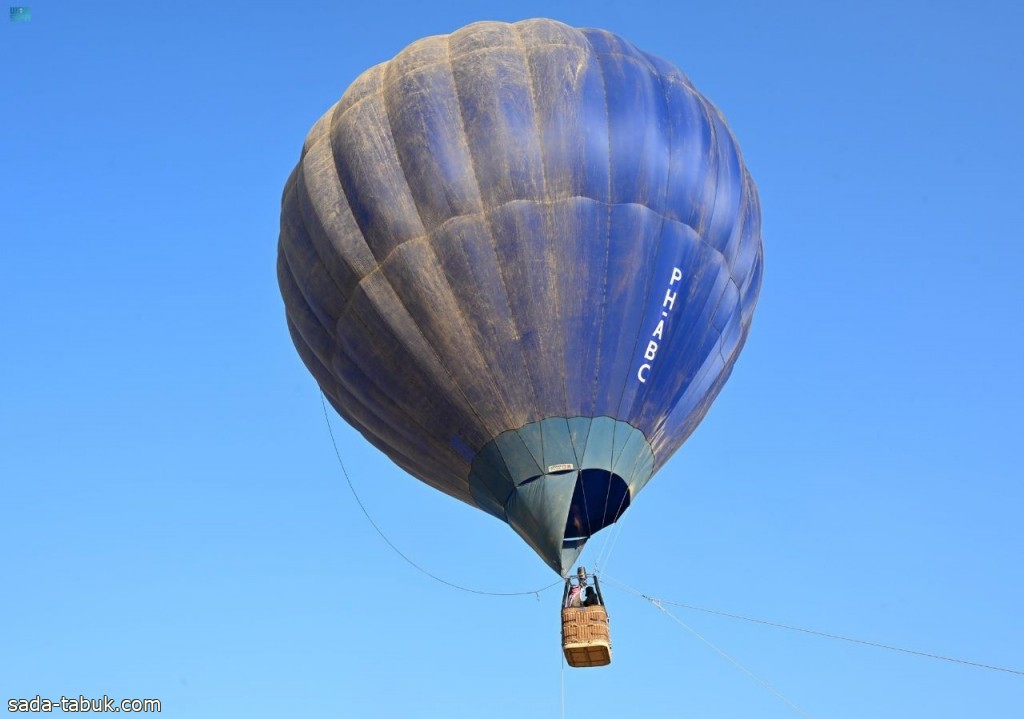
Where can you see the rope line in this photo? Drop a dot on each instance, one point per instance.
(735, 662)
(562, 682)
(851, 639)
(337, 453)
(604, 556)
(814, 632)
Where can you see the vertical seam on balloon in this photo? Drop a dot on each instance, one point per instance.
(694, 381)
(548, 206)
(628, 492)
(406, 462)
(543, 455)
(302, 199)
(714, 150)
(608, 229)
(660, 240)
(700, 374)
(579, 459)
(455, 385)
(649, 282)
(426, 236)
(640, 455)
(740, 204)
(695, 346)
(537, 461)
(611, 466)
(292, 230)
(568, 434)
(604, 284)
(314, 211)
(607, 249)
(496, 392)
(713, 126)
(757, 264)
(741, 218)
(338, 384)
(336, 381)
(572, 445)
(286, 264)
(756, 272)
(583, 455)
(706, 398)
(332, 331)
(586, 438)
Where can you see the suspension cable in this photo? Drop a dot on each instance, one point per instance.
(399, 552)
(814, 632)
(735, 662)
(562, 681)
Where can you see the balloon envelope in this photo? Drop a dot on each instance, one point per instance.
(521, 260)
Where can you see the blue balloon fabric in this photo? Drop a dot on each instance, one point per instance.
(521, 260)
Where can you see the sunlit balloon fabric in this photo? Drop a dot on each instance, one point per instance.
(521, 260)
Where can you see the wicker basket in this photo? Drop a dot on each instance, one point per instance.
(586, 640)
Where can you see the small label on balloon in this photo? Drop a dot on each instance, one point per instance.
(561, 468)
(658, 335)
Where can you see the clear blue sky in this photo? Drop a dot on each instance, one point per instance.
(173, 521)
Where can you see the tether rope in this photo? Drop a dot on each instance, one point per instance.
(826, 635)
(735, 662)
(399, 552)
(562, 682)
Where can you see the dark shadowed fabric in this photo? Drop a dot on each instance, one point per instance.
(521, 260)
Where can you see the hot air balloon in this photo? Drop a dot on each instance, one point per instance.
(521, 260)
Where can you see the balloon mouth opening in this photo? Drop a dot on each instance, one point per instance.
(598, 500)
